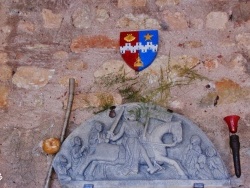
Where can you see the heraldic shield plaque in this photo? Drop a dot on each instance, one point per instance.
(143, 146)
(139, 48)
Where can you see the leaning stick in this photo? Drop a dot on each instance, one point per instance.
(65, 124)
(69, 106)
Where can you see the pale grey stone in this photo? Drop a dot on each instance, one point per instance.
(5, 73)
(81, 18)
(217, 20)
(102, 15)
(142, 146)
(50, 19)
(111, 67)
(26, 26)
(60, 55)
(197, 23)
(243, 41)
(3, 57)
(31, 77)
(131, 3)
(175, 20)
(162, 3)
(238, 62)
(141, 21)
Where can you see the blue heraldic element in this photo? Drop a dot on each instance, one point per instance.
(148, 49)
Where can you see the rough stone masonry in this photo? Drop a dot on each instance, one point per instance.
(203, 63)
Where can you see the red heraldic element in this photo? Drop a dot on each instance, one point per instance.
(139, 48)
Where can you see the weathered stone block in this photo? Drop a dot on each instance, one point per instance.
(152, 23)
(185, 61)
(111, 67)
(3, 57)
(243, 41)
(197, 23)
(97, 100)
(60, 55)
(26, 26)
(81, 18)
(141, 21)
(208, 100)
(77, 65)
(5, 73)
(176, 21)
(64, 81)
(51, 20)
(102, 15)
(162, 3)
(241, 11)
(83, 43)
(217, 20)
(238, 63)
(31, 77)
(230, 91)
(191, 44)
(131, 3)
(211, 64)
(4, 93)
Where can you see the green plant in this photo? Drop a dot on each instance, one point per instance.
(138, 89)
(106, 101)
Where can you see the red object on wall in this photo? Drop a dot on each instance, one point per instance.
(232, 122)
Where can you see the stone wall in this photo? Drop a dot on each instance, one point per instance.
(202, 71)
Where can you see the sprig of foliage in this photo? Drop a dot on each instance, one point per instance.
(138, 89)
(189, 73)
(106, 102)
(112, 79)
(131, 94)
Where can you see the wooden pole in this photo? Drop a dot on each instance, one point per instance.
(65, 125)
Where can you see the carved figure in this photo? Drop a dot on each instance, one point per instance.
(64, 169)
(133, 147)
(214, 164)
(192, 154)
(95, 136)
(202, 170)
(78, 151)
(159, 148)
(131, 131)
(144, 143)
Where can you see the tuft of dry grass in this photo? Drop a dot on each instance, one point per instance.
(139, 89)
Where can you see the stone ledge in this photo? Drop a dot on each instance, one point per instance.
(151, 184)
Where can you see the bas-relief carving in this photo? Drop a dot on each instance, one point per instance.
(142, 142)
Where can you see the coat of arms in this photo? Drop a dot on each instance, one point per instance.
(139, 48)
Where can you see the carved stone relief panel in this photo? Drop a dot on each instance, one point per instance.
(141, 145)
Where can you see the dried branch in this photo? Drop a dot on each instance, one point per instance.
(65, 124)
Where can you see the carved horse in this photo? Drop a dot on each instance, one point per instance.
(115, 154)
(159, 148)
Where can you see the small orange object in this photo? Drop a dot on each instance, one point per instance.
(51, 145)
